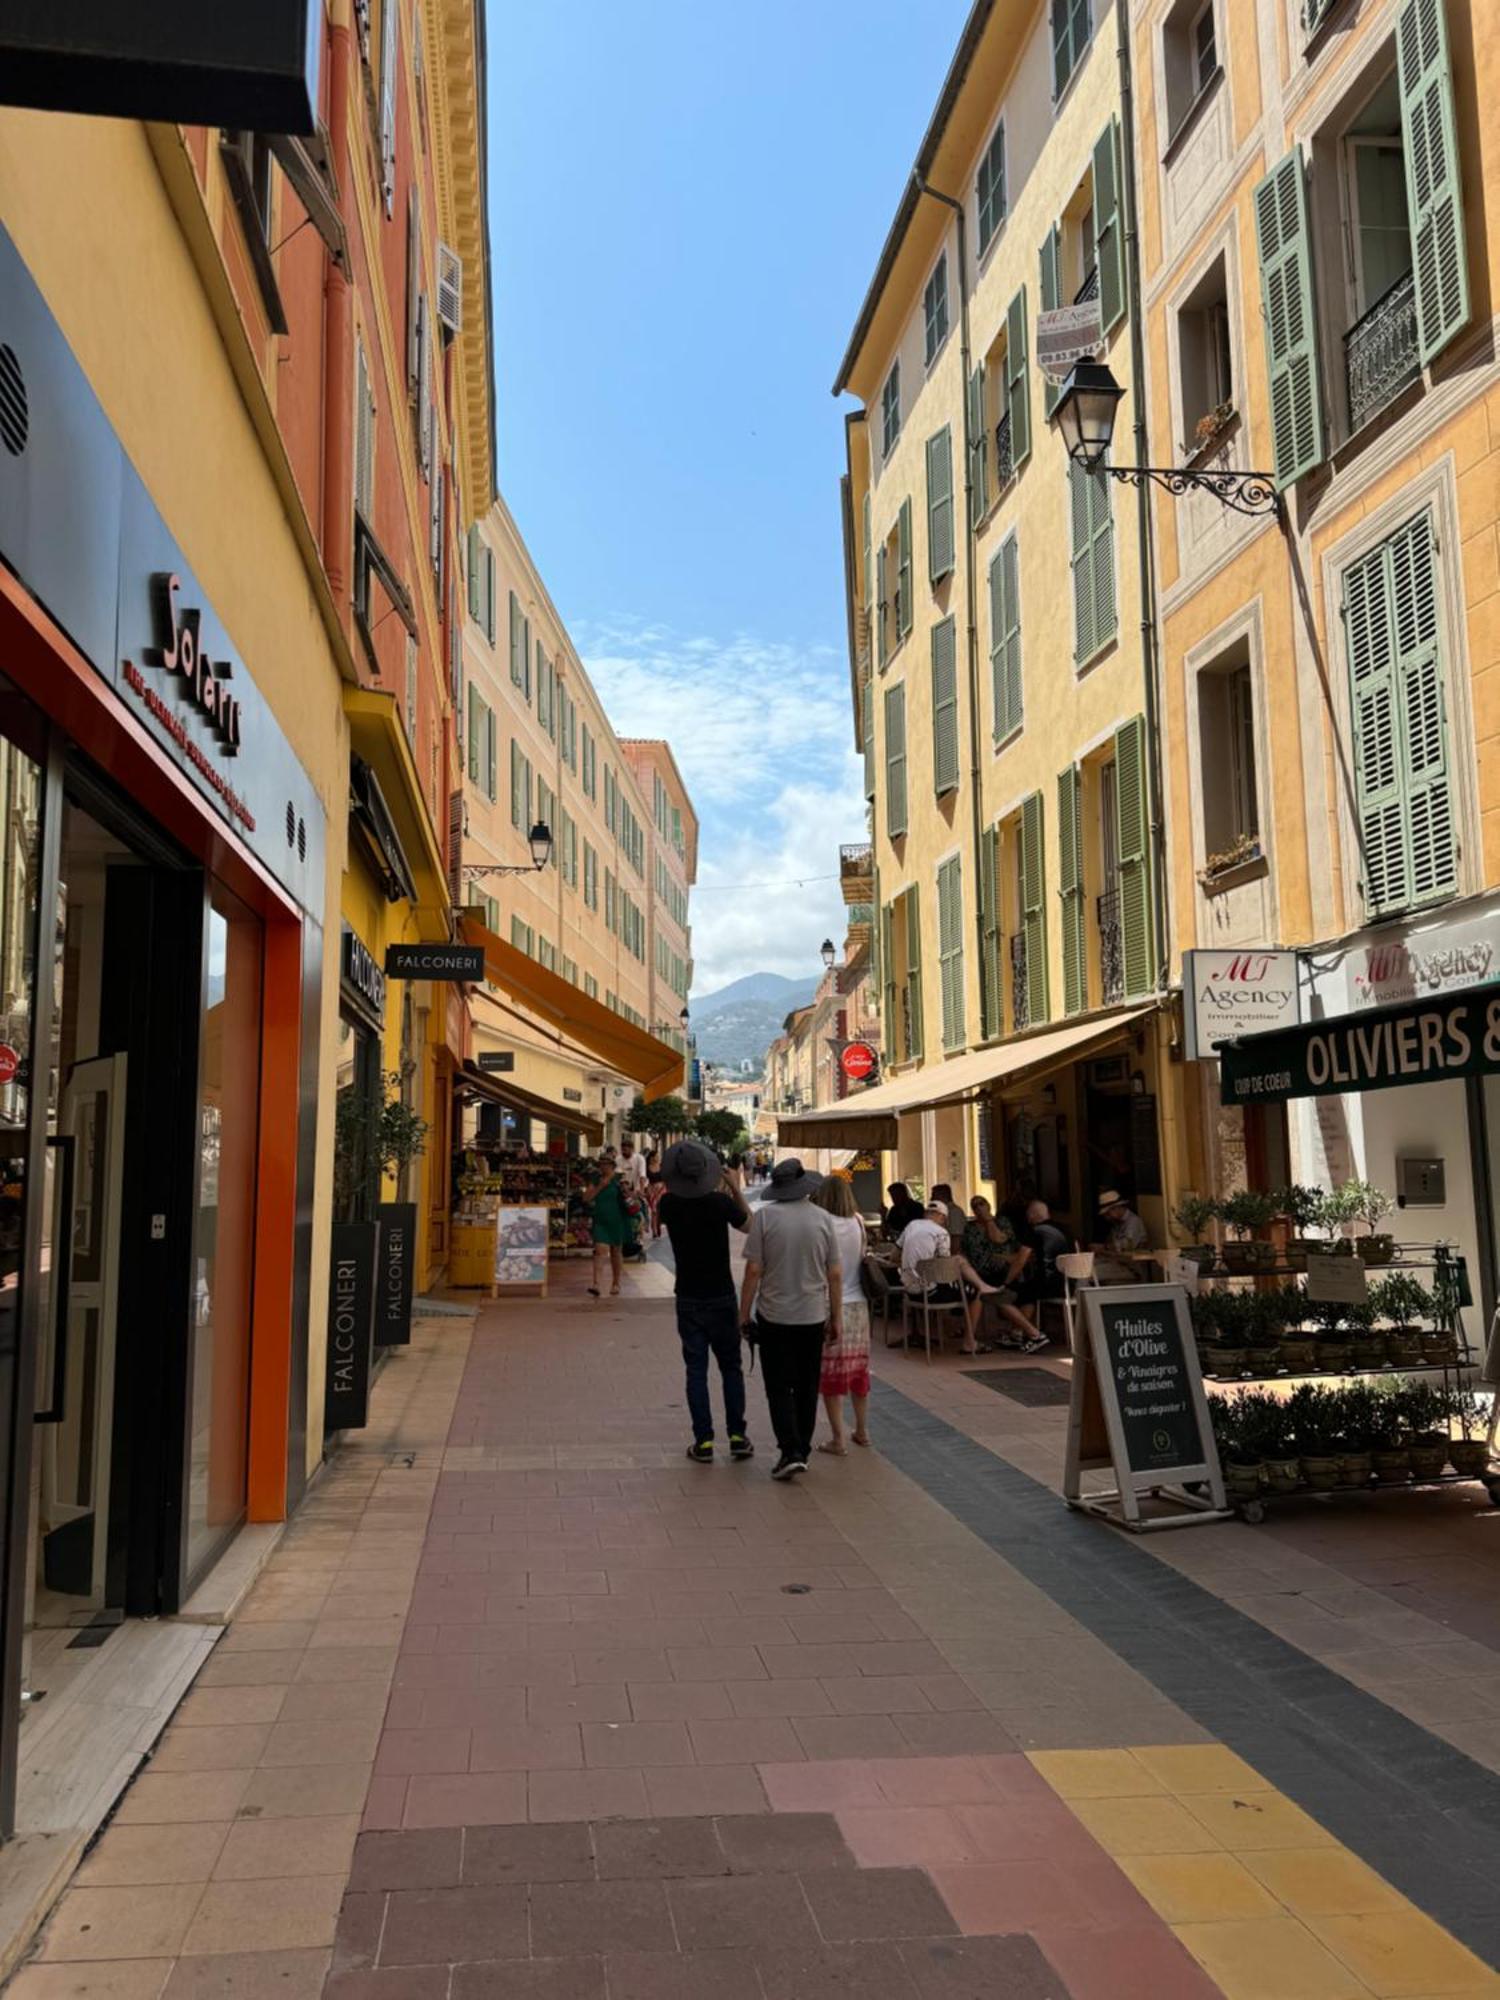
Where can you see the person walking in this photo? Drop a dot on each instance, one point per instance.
(846, 1364)
(791, 1303)
(609, 1226)
(700, 1203)
(655, 1188)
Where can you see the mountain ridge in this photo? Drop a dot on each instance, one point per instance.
(737, 1023)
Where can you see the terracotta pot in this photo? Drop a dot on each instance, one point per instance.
(1428, 1460)
(1376, 1249)
(1393, 1466)
(1403, 1349)
(1298, 1354)
(1355, 1468)
(1333, 1354)
(1320, 1473)
(1469, 1457)
(1243, 1482)
(1238, 1258)
(1284, 1475)
(1437, 1348)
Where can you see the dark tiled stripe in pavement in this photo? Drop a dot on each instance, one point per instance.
(1416, 1809)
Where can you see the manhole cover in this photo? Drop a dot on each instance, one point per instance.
(1034, 1388)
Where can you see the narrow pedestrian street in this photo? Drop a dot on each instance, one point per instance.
(544, 1710)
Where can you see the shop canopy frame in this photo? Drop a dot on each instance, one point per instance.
(870, 1119)
(500, 1090)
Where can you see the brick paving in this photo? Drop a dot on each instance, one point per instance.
(548, 1711)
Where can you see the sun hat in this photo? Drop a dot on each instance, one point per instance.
(690, 1169)
(1111, 1198)
(790, 1181)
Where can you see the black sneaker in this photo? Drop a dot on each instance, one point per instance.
(785, 1466)
(702, 1454)
(741, 1447)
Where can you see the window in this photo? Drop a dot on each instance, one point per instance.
(364, 437)
(1205, 359)
(591, 986)
(545, 809)
(950, 901)
(523, 937)
(1407, 832)
(1001, 405)
(546, 701)
(590, 766)
(945, 707)
(1283, 240)
(1190, 59)
(991, 189)
(411, 691)
(893, 607)
(901, 967)
(895, 761)
(1005, 637)
(991, 1019)
(520, 647)
(477, 713)
(1226, 749)
(890, 410)
(940, 537)
(590, 877)
(1094, 612)
(1072, 27)
(935, 310)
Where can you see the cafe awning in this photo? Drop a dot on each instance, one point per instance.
(475, 1082)
(1378, 1048)
(608, 1037)
(869, 1119)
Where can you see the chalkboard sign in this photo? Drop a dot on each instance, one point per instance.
(1138, 1405)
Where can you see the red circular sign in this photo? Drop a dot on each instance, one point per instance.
(10, 1062)
(858, 1061)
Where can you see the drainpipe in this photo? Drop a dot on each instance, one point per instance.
(971, 591)
(1150, 652)
(338, 344)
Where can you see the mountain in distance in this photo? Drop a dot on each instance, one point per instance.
(739, 1022)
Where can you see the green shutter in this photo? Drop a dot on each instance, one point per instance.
(1434, 193)
(517, 632)
(489, 595)
(1017, 382)
(951, 949)
(990, 1016)
(940, 505)
(903, 571)
(991, 189)
(913, 904)
(979, 450)
(945, 707)
(1133, 846)
(1071, 890)
(1051, 255)
(1109, 226)
(1092, 519)
(474, 706)
(1005, 638)
(1286, 289)
(867, 734)
(895, 761)
(516, 795)
(882, 608)
(1034, 906)
(473, 570)
(869, 573)
(888, 978)
(491, 754)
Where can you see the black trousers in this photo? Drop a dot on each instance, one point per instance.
(791, 1361)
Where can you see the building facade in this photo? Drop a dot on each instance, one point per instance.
(673, 862)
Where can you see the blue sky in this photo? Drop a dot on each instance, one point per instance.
(687, 202)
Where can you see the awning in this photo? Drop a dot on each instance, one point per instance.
(500, 1090)
(607, 1036)
(1379, 1048)
(868, 1119)
(377, 736)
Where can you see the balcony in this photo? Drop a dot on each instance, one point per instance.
(1089, 289)
(1380, 352)
(1111, 948)
(1005, 462)
(1020, 1005)
(857, 873)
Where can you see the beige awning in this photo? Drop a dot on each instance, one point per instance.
(868, 1119)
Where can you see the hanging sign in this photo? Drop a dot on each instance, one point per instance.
(1381, 1048)
(497, 1060)
(1337, 1279)
(435, 961)
(351, 1326)
(1068, 334)
(1230, 993)
(394, 1270)
(858, 1061)
(1138, 1406)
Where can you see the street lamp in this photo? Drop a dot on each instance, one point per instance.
(540, 842)
(829, 953)
(1086, 415)
(682, 1020)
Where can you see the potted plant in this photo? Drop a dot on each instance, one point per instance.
(1356, 1407)
(1313, 1414)
(1402, 1301)
(1238, 1445)
(1263, 1331)
(1391, 1452)
(1247, 1210)
(1333, 1348)
(1335, 1210)
(1425, 1411)
(1366, 1349)
(1303, 1209)
(1469, 1455)
(1193, 1214)
(1273, 1434)
(1370, 1205)
(1298, 1348)
(1218, 1319)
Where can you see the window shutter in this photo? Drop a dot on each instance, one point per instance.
(1070, 890)
(364, 437)
(1133, 846)
(903, 570)
(867, 735)
(491, 754)
(450, 288)
(895, 761)
(473, 569)
(888, 979)
(914, 971)
(424, 386)
(413, 283)
(1434, 193)
(1285, 246)
(1051, 255)
(945, 707)
(990, 1015)
(979, 450)
(882, 609)
(951, 950)
(1080, 512)
(473, 734)
(940, 505)
(1034, 905)
(388, 46)
(991, 189)
(1005, 638)
(1109, 226)
(1102, 544)
(517, 640)
(517, 790)
(1019, 391)
(869, 575)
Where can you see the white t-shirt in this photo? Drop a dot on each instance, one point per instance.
(920, 1240)
(850, 1232)
(634, 1169)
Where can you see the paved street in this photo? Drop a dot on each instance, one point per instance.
(545, 1710)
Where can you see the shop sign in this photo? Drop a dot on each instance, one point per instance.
(572, 1096)
(858, 1061)
(394, 1268)
(464, 962)
(362, 977)
(10, 1062)
(351, 1326)
(1231, 993)
(497, 1060)
(1447, 958)
(1336, 1279)
(1379, 1048)
(1067, 334)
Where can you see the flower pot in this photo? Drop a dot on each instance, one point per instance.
(1243, 1482)
(1355, 1468)
(1438, 1348)
(1428, 1458)
(1470, 1457)
(1201, 1254)
(1241, 1257)
(1393, 1465)
(1320, 1472)
(1333, 1354)
(1222, 1360)
(1366, 1351)
(1263, 1360)
(1403, 1348)
(1284, 1475)
(1376, 1249)
(1294, 1257)
(1298, 1354)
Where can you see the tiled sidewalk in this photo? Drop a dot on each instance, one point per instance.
(658, 1731)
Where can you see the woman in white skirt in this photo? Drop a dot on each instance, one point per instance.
(846, 1361)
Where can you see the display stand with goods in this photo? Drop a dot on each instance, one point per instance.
(486, 1189)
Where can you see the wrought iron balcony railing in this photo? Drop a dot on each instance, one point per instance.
(1089, 289)
(1380, 352)
(1111, 948)
(1020, 1004)
(1005, 463)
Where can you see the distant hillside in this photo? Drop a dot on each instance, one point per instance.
(739, 1022)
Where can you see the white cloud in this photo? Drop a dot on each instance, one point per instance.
(763, 735)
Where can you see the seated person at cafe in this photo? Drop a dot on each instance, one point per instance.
(1036, 1278)
(1121, 1234)
(956, 1218)
(990, 1244)
(928, 1237)
(903, 1209)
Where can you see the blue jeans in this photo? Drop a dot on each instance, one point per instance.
(704, 1326)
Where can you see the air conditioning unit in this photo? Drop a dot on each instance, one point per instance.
(450, 288)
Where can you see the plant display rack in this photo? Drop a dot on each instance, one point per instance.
(549, 1184)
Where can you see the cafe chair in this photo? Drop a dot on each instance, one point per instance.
(933, 1271)
(1075, 1268)
(884, 1295)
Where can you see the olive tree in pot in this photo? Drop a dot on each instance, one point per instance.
(1356, 1404)
(373, 1138)
(1370, 1205)
(1402, 1301)
(1303, 1209)
(1425, 1409)
(1313, 1414)
(1298, 1348)
(1193, 1215)
(1247, 1210)
(1238, 1447)
(1388, 1432)
(1335, 1209)
(1469, 1455)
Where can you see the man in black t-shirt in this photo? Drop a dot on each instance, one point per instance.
(701, 1205)
(1037, 1278)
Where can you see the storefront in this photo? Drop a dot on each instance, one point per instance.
(161, 956)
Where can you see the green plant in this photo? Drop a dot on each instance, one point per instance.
(663, 1119)
(1291, 1308)
(1424, 1411)
(1401, 1299)
(1249, 1209)
(1356, 1416)
(1359, 1316)
(1336, 1207)
(1249, 1427)
(1388, 1414)
(1315, 1419)
(723, 1130)
(1193, 1214)
(1468, 1408)
(373, 1137)
(1367, 1203)
(1302, 1206)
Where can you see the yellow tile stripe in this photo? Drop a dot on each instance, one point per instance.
(1268, 1902)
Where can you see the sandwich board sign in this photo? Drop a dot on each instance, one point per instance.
(1138, 1406)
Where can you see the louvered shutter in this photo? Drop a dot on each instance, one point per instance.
(1080, 515)
(1434, 192)
(450, 288)
(473, 734)
(517, 641)
(951, 950)
(867, 735)
(915, 1038)
(979, 450)
(991, 1017)
(888, 981)
(1070, 890)
(1005, 638)
(473, 569)
(413, 283)
(1109, 226)
(435, 519)
(895, 761)
(517, 789)
(945, 707)
(1051, 256)
(424, 386)
(1019, 389)
(1133, 846)
(389, 12)
(456, 847)
(364, 437)
(940, 505)
(1034, 905)
(882, 608)
(1102, 542)
(1286, 287)
(903, 571)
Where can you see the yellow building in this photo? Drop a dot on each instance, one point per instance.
(1320, 274)
(996, 610)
